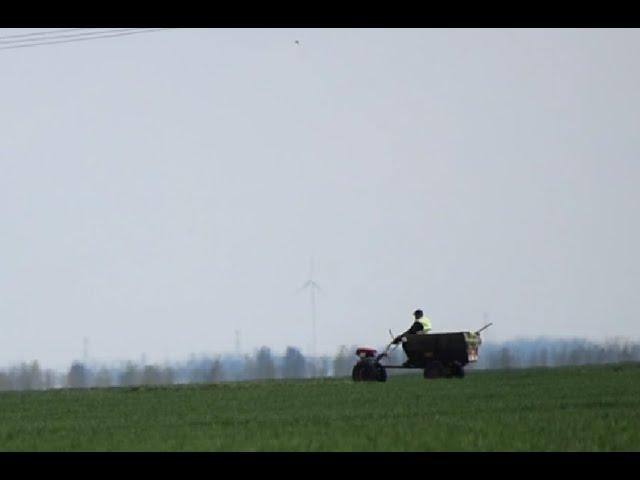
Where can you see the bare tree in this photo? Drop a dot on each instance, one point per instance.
(103, 378)
(5, 381)
(77, 376)
(506, 358)
(343, 362)
(151, 375)
(294, 364)
(323, 367)
(265, 367)
(130, 376)
(216, 372)
(168, 376)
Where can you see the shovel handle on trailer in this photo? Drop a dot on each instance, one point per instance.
(483, 328)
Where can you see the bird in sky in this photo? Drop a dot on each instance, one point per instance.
(297, 42)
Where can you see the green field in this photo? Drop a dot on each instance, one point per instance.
(595, 408)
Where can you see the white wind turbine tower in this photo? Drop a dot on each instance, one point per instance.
(313, 287)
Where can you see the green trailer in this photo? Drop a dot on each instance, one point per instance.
(438, 355)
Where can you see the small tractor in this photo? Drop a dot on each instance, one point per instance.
(438, 355)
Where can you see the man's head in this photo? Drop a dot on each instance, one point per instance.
(417, 314)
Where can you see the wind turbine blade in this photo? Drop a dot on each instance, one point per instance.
(306, 285)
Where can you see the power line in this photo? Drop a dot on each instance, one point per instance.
(72, 35)
(82, 39)
(34, 34)
(54, 39)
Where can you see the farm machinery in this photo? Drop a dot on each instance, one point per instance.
(438, 355)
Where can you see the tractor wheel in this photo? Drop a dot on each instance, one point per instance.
(381, 373)
(434, 370)
(370, 372)
(357, 373)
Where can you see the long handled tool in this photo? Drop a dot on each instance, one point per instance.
(483, 328)
(388, 350)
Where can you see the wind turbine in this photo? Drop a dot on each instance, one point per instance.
(313, 287)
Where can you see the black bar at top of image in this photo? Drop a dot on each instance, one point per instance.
(325, 15)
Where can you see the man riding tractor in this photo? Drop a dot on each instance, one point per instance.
(421, 325)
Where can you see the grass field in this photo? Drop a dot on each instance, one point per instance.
(595, 408)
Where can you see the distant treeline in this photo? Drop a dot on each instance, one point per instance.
(544, 352)
(264, 364)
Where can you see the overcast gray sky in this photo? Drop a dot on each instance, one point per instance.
(160, 191)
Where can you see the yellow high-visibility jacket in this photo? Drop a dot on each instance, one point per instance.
(426, 324)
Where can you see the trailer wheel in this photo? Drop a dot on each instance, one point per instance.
(434, 369)
(457, 370)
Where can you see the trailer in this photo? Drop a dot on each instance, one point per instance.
(438, 355)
